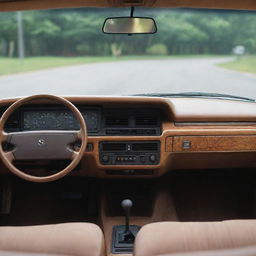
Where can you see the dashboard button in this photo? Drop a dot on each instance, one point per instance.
(152, 158)
(186, 144)
(143, 159)
(105, 158)
(89, 147)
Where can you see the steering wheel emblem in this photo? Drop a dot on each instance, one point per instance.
(41, 143)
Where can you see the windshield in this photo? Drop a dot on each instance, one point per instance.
(64, 52)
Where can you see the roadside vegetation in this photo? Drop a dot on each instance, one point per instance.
(74, 36)
(77, 32)
(243, 64)
(15, 65)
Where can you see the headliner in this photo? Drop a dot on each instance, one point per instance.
(13, 5)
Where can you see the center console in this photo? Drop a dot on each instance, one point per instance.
(129, 152)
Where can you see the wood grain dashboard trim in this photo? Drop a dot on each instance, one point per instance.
(213, 143)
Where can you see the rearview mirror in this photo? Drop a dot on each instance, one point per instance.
(129, 25)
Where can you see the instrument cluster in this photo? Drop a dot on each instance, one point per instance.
(59, 120)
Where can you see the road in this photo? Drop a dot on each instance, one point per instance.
(130, 77)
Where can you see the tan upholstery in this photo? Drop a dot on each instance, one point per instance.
(8, 253)
(167, 238)
(243, 251)
(66, 239)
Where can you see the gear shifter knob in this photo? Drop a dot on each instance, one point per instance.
(127, 206)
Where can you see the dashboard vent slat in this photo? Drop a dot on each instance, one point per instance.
(113, 146)
(152, 146)
(116, 121)
(133, 132)
(146, 120)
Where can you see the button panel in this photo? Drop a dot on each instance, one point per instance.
(114, 159)
(130, 153)
(126, 158)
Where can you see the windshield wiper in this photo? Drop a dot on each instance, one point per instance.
(196, 95)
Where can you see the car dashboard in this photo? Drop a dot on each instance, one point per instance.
(145, 137)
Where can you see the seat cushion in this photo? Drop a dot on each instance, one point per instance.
(65, 239)
(242, 251)
(8, 253)
(167, 238)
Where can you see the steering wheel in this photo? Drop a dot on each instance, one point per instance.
(42, 145)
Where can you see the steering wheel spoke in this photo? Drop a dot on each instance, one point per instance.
(79, 134)
(74, 154)
(42, 145)
(9, 156)
(4, 136)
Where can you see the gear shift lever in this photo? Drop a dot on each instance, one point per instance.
(127, 206)
(124, 235)
(128, 236)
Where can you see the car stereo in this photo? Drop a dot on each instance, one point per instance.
(129, 153)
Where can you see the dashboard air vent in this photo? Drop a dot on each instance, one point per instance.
(133, 132)
(113, 146)
(152, 146)
(116, 121)
(146, 120)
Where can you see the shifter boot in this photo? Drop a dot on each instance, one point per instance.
(122, 242)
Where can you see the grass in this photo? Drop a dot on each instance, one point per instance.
(244, 64)
(13, 65)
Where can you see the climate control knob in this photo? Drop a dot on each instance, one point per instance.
(152, 158)
(105, 158)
